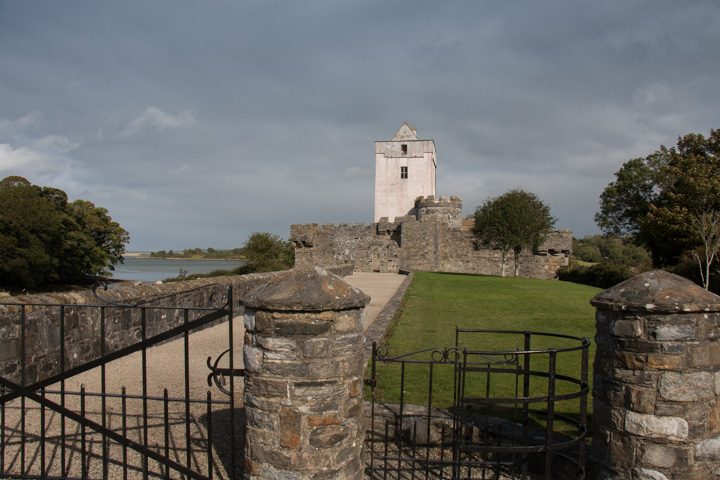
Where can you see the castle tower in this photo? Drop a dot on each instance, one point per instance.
(443, 209)
(404, 170)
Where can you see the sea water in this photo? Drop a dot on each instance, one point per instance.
(154, 269)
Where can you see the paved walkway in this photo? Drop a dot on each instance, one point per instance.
(386, 292)
(380, 286)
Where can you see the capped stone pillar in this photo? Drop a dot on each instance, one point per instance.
(304, 365)
(656, 383)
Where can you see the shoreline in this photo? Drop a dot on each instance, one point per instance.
(144, 256)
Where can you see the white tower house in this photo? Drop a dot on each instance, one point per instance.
(404, 170)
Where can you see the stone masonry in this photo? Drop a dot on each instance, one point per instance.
(415, 229)
(657, 380)
(304, 365)
(436, 238)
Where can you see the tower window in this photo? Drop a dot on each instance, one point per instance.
(403, 172)
(403, 149)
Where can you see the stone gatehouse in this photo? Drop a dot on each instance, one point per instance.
(427, 232)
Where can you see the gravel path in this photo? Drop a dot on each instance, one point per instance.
(165, 370)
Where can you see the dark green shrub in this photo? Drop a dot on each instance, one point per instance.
(602, 275)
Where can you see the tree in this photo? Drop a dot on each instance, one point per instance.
(267, 252)
(30, 234)
(656, 198)
(707, 227)
(612, 249)
(514, 221)
(45, 239)
(100, 242)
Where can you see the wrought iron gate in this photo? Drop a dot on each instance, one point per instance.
(480, 410)
(113, 390)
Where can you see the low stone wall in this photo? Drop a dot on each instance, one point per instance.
(122, 326)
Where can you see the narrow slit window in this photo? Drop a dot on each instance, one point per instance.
(403, 172)
(403, 149)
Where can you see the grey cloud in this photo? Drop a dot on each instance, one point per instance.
(158, 120)
(196, 124)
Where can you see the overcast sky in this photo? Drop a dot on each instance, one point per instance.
(198, 123)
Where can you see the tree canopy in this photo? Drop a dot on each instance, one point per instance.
(514, 221)
(658, 199)
(611, 249)
(267, 252)
(46, 239)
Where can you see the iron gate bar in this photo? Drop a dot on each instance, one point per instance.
(154, 340)
(232, 382)
(215, 371)
(28, 393)
(135, 397)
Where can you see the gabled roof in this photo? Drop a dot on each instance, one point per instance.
(406, 132)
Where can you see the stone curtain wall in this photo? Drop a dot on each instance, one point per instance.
(304, 363)
(367, 247)
(418, 245)
(657, 381)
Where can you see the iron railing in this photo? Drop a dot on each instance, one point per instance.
(111, 390)
(481, 410)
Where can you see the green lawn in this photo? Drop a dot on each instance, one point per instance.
(436, 303)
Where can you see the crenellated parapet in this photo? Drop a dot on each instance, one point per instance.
(434, 240)
(442, 209)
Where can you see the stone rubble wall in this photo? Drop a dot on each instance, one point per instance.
(304, 363)
(427, 245)
(367, 247)
(448, 210)
(656, 389)
(122, 325)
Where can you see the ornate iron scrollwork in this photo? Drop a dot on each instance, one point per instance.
(217, 375)
(447, 355)
(381, 352)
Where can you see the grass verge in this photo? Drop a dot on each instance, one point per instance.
(437, 303)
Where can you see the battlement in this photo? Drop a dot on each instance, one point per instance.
(440, 209)
(431, 200)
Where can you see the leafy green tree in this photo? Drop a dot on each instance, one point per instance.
(658, 198)
(267, 252)
(612, 249)
(30, 234)
(586, 251)
(100, 241)
(514, 221)
(45, 239)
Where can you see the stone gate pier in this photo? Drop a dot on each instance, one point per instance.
(304, 365)
(656, 381)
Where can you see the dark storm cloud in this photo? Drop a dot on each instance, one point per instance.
(197, 123)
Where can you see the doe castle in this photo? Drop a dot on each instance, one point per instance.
(414, 229)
